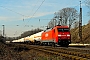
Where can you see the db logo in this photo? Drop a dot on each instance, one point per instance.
(46, 35)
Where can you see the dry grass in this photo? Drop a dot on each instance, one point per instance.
(85, 34)
(17, 52)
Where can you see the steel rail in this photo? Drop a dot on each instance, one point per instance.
(65, 53)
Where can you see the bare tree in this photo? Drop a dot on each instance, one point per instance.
(52, 23)
(87, 2)
(67, 15)
(76, 24)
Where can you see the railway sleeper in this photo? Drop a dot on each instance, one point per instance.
(76, 53)
(62, 54)
(67, 54)
(72, 57)
(72, 53)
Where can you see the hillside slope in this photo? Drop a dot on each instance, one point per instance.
(85, 34)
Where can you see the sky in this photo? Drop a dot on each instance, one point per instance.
(19, 16)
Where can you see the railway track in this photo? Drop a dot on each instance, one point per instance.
(66, 53)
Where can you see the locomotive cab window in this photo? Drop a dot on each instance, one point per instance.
(59, 29)
(66, 30)
(63, 30)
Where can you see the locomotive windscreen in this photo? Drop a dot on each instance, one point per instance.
(63, 29)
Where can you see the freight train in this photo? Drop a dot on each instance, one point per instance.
(58, 35)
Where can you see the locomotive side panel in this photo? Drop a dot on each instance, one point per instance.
(55, 35)
(47, 36)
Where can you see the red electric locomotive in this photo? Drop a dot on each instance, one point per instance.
(58, 35)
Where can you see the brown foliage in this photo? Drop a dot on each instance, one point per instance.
(85, 34)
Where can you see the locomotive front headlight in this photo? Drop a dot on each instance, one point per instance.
(59, 35)
(68, 35)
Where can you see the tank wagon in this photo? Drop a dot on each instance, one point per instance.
(32, 39)
(35, 38)
(58, 35)
(18, 41)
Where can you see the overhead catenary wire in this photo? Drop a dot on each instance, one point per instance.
(37, 9)
(23, 14)
(15, 12)
(12, 11)
(34, 5)
(32, 9)
(79, 4)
